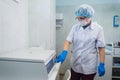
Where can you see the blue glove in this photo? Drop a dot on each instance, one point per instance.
(62, 56)
(101, 69)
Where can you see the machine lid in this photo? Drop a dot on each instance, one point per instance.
(32, 55)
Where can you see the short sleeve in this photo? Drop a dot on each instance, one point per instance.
(100, 39)
(70, 35)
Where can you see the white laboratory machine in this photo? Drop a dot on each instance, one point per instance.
(30, 64)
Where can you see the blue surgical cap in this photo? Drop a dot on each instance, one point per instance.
(84, 11)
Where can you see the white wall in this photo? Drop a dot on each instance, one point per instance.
(104, 13)
(13, 25)
(42, 23)
(0, 35)
(78, 2)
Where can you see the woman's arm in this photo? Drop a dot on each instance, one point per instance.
(66, 45)
(102, 54)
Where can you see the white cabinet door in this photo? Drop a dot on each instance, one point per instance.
(108, 67)
(42, 23)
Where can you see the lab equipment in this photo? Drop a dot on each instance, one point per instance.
(116, 21)
(59, 20)
(31, 64)
(118, 43)
(101, 69)
(85, 11)
(116, 50)
(116, 61)
(62, 56)
(115, 72)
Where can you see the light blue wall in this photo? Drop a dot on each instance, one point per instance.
(104, 12)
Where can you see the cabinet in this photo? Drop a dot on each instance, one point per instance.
(59, 20)
(116, 63)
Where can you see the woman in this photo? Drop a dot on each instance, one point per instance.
(88, 41)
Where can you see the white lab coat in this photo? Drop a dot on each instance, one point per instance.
(84, 58)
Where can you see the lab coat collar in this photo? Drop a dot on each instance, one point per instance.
(93, 24)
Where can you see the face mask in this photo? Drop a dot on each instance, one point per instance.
(82, 23)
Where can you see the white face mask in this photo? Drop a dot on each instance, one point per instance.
(82, 23)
